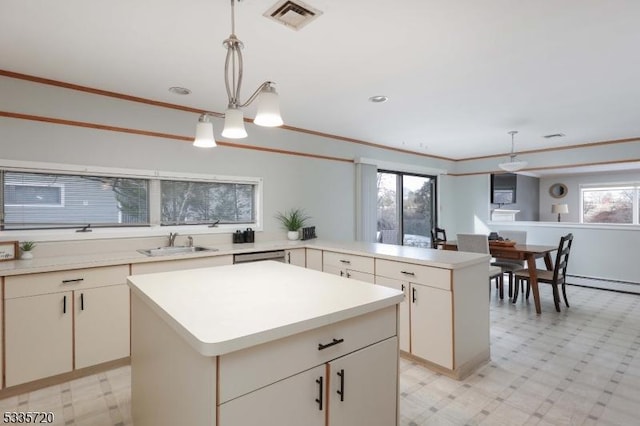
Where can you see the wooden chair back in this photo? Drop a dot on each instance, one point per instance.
(562, 258)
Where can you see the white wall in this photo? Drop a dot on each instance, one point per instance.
(325, 188)
(604, 252)
(573, 191)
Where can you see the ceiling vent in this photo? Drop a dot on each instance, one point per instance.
(293, 14)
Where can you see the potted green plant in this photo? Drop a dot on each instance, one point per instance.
(25, 248)
(292, 220)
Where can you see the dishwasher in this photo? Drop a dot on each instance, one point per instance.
(277, 255)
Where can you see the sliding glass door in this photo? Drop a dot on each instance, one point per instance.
(406, 208)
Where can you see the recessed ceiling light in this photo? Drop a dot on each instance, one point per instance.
(179, 90)
(378, 99)
(554, 135)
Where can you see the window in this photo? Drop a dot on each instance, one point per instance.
(74, 197)
(40, 200)
(188, 203)
(610, 204)
(406, 208)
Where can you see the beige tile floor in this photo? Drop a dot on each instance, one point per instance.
(577, 367)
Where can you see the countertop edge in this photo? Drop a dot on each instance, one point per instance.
(60, 263)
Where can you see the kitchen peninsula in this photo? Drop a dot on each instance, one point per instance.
(262, 343)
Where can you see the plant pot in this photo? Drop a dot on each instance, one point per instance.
(26, 255)
(293, 235)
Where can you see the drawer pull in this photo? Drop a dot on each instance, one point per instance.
(341, 390)
(320, 392)
(328, 345)
(348, 262)
(408, 273)
(74, 281)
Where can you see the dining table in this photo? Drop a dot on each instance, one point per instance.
(528, 252)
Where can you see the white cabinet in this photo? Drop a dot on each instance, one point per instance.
(295, 257)
(349, 265)
(431, 324)
(445, 317)
(101, 324)
(426, 329)
(180, 264)
(363, 386)
(356, 389)
(404, 315)
(314, 259)
(38, 337)
(52, 316)
(298, 393)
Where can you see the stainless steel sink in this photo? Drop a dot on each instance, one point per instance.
(166, 251)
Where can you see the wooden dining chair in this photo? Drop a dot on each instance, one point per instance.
(479, 243)
(509, 266)
(556, 278)
(438, 235)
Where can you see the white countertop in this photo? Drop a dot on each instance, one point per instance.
(227, 308)
(422, 256)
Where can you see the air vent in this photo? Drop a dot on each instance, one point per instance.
(293, 14)
(554, 135)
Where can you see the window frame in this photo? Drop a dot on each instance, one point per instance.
(635, 202)
(400, 175)
(153, 228)
(56, 185)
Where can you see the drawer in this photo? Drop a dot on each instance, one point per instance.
(74, 279)
(427, 275)
(349, 261)
(252, 368)
(180, 264)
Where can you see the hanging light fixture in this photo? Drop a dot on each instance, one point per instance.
(513, 165)
(268, 111)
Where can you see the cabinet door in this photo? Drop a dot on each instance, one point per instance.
(314, 259)
(296, 257)
(363, 386)
(431, 324)
(101, 324)
(38, 337)
(297, 400)
(404, 326)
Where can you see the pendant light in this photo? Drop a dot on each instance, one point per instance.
(268, 110)
(513, 165)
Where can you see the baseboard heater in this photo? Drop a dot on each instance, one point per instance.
(604, 284)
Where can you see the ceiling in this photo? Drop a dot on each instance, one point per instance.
(459, 74)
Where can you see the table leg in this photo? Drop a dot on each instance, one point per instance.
(547, 261)
(533, 280)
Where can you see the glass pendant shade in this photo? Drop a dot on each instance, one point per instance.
(268, 114)
(234, 124)
(513, 165)
(204, 134)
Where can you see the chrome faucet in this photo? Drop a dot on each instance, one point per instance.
(172, 238)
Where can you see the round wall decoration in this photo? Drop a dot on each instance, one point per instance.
(558, 190)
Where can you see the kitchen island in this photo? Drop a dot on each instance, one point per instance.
(262, 343)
